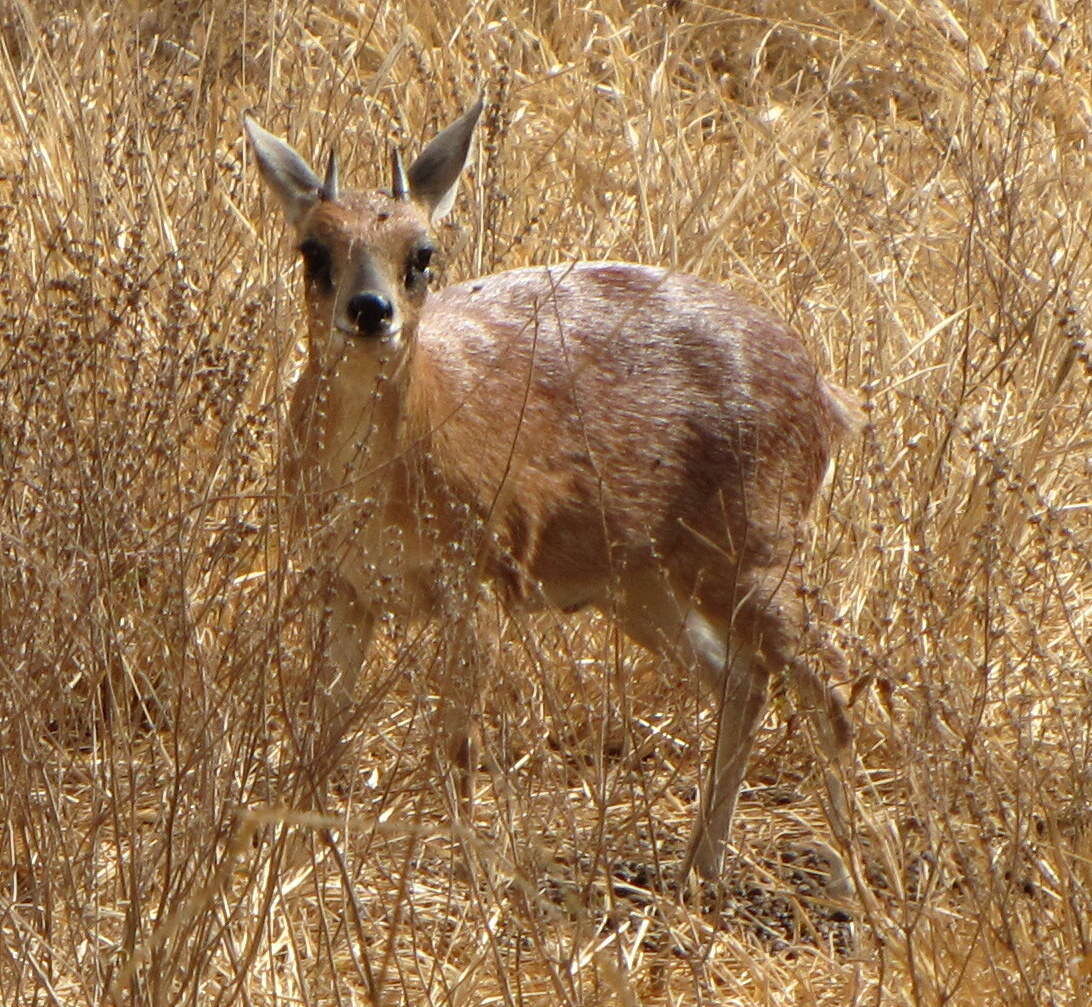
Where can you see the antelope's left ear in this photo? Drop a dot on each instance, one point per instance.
(290, 177)
(434, 176)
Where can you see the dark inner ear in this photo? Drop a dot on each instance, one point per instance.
(317, 263)
(435, 174)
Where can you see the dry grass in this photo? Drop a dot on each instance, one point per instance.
(909, 183)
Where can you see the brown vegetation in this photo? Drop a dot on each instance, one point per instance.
(908, 184)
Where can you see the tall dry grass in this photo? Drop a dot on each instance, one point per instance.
(909, 184)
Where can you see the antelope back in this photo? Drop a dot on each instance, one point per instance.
(612, 418)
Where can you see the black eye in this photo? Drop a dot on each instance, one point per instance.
(417, 267)
(316, 263)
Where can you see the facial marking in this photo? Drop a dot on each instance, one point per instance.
(366, 264)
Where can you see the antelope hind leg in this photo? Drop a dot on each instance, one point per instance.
(740, 699)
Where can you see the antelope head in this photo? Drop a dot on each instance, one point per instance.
(366, 255)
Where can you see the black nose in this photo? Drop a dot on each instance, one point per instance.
(371, 313)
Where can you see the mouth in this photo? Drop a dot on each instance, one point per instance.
(350, 332)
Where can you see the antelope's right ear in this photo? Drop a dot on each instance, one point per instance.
(290, 177)
(434, 176)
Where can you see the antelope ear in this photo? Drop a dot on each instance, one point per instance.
(290, 177)
(434, 176)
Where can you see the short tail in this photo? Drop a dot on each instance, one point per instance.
(844, 412)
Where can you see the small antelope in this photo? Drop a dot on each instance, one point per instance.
(598, 434)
